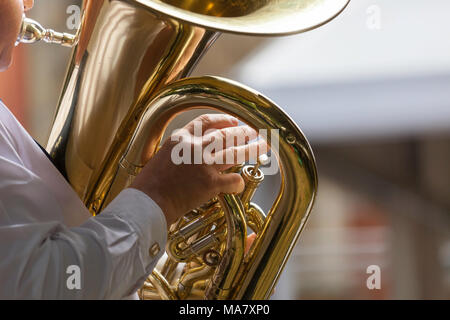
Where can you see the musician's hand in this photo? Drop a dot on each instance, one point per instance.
(178, 188)
(249, 242)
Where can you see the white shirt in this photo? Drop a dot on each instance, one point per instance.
(45, 230)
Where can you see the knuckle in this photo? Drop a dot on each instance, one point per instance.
(250, 133)
(222, 133)
(178, 134)
(205, 118)
(185, 138)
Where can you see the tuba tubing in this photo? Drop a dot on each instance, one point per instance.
(123, 88)
(238, 276)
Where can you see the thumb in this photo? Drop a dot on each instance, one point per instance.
(231, 183)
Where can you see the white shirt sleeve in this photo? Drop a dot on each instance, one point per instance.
(114, 252)
(47, 235)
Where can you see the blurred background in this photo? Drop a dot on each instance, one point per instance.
(371, 91)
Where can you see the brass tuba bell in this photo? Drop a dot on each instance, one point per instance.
(122, 90)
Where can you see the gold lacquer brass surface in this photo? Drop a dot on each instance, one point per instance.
(122, 89)
(237, 275)
(125, 53)
(252, 17)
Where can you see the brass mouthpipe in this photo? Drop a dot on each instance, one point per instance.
(32, 32)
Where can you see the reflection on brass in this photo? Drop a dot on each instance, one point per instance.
(122, 90)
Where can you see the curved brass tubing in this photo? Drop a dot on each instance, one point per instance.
(182, 234)
(187, 281)
(233, 278)
(122, 90)
(162, 286)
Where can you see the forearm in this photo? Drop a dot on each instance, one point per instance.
(112, 252)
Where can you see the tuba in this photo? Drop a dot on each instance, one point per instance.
(127, 80)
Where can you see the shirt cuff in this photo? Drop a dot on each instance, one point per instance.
(147, 220)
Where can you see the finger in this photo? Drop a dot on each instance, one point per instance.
(229, 157)
(28, 4)
(231, 183)
(249, 241)
(229, 137)
(210, 121)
